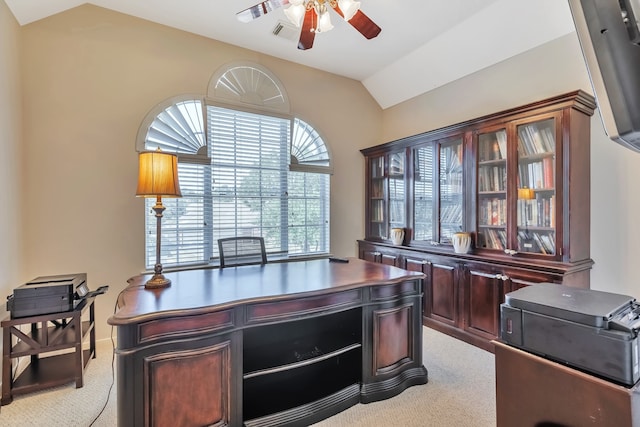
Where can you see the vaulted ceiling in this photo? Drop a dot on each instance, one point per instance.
(424, 44)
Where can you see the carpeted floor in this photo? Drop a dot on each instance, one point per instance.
(460, 393)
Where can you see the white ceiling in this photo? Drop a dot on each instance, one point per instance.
(423, 46)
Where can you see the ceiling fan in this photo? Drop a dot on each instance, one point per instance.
(313, 17)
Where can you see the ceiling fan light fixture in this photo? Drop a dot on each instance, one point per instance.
(295, 13)
(348, 8)
(313, 16)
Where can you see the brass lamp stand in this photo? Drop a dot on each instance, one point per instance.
(158, 177)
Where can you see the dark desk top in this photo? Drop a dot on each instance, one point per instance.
(200, 290)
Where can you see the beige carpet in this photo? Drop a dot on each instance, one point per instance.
(460, 393)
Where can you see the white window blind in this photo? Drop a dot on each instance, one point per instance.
(249, 163)
(251, 175)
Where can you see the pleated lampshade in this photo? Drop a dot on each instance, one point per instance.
(158, 174)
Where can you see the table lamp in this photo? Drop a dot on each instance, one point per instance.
(158, 177)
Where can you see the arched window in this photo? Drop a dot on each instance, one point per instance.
(243, 171)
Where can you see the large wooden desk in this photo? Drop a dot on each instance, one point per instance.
(280, 344)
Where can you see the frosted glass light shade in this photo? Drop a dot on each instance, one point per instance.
(348, 8)
(324, 22)
(295, 13)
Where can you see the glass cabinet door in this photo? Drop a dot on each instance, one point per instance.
(387, 195)
(377, 197)
(492, 190)
(423, 193)
(397, 194)
(438, 201)
(536, 201)
(451, 190)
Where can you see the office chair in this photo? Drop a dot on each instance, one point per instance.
(241, 251)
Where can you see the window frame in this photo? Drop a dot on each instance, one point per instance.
(199, 158)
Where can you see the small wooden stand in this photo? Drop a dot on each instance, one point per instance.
(63, 333)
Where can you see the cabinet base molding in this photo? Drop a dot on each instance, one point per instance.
(392, 387)
(458, 333)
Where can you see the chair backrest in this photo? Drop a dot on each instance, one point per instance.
(241, 251)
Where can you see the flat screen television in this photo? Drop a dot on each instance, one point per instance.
(609, 36)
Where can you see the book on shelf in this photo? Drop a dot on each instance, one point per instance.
(533, 241)
(549, 138)
(535, 138)
(538, 212)
(537, 174)
(547, 172)
(377, 167)
(377, 211)
(452, 158)
(493, 146)
(501, 136)
(495, 218)
(492, 178)
(377, 189)
(494, 212)
(541, 247)
(495, 239)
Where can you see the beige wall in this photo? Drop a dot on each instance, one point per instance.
(554, 68)
(90, 77)
(11, 143)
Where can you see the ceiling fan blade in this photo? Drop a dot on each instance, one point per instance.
(308, 34)
(365, 25)
(362, 23)
(260, 9)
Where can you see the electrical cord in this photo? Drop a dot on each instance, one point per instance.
(113, 359)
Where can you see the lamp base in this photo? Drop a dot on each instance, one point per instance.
(157, 281)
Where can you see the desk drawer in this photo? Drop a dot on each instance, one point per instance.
(379, 293)
(199, 323)
(277, 310)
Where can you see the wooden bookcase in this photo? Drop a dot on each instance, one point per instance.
(517, 180)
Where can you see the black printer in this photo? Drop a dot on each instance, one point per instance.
(49, 294)
(590, 330)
